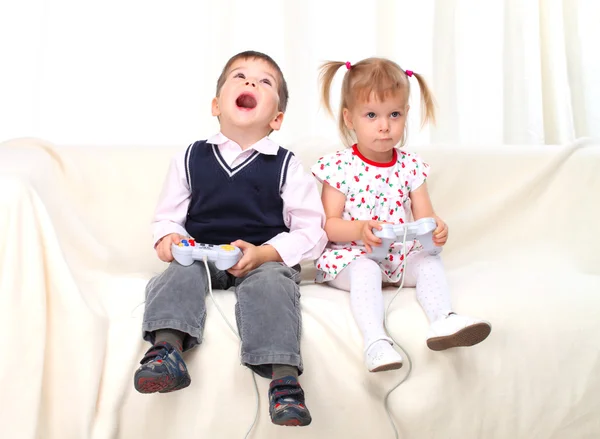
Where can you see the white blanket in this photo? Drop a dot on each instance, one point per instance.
(76, 253)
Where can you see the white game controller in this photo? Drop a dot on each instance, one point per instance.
(390, 233)
(188, 250)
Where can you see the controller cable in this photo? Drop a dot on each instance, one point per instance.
(205, 260)
(385, 316)
(386, 398)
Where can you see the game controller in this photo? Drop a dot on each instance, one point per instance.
(188, 250)
(421, 230)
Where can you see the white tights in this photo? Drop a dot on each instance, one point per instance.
(364, 281)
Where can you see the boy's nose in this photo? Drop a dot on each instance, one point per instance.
(385, 126)
(252, 83)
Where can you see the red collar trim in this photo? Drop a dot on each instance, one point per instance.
(372, 163)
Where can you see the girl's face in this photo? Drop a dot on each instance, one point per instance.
(378, 125)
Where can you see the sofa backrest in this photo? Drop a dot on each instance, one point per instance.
(540, 200)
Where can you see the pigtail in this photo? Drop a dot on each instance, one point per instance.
(326, 75)
(427, 101)
(377, 76)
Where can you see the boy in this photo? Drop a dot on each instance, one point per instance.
(237, 187)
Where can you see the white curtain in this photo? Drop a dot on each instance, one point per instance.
(144, 72)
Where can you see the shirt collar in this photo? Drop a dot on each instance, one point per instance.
(264, 145)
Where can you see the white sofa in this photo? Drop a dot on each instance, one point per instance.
(76, 253)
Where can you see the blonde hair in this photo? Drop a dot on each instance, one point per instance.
(372, 76)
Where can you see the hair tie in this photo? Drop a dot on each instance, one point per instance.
(348, 65)
(409, 72)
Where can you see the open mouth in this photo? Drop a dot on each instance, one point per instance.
(246, 101)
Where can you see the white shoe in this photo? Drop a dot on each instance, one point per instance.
(382, 356)
(455, 330)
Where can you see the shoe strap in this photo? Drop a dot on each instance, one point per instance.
(389, 340)
(284, 389)
(157, 351)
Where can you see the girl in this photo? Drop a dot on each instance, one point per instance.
(369, 183)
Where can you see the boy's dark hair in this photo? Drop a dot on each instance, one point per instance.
(282, 89)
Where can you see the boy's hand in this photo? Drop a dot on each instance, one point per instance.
(367, 236)
(163, 248)
(440, 234)
(253, 258)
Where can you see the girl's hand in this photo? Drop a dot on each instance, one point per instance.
(367, 236)
(440, 234)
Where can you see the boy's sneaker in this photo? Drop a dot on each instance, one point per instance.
(455, 330)
(286, 403)
(162, 370)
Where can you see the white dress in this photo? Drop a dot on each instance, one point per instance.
(377, 191)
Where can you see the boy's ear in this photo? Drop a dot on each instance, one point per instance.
(347, 119)
(276, 123)
(216, 111)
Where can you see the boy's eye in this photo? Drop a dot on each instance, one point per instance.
(395, 114)
(266, 81)
(371, 115)
(239, 75)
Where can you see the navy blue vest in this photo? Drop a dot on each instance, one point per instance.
(243, 202)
